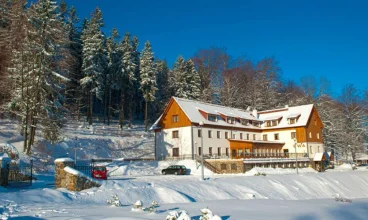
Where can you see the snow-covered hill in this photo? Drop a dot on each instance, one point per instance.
(98, 141)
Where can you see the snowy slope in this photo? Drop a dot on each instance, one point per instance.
(188, 189)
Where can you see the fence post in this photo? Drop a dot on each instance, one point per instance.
(31, 172)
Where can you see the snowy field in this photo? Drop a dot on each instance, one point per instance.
(281, 194)
(303, 196)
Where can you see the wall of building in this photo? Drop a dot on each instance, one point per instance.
(165, 142)
(221, 142)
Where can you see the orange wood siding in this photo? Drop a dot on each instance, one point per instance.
(174, 109)
(314, 126)
(300, 134)
(240, 145)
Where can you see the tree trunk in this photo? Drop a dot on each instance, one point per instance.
(25, 130)
(109, 108)
(90, 121)
(145, 117)
(121, 110)
(130, 109)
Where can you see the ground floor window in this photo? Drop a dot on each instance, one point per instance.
(219, 151)
(227, 151)
(223, 166)
(199, 151)
(233, 153)
(175, 152)
(210, 151)
(233, 166)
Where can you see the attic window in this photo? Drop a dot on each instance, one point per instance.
(257, 124)
(274, 123)
(212, 118)
(292, 121)
(230, 120)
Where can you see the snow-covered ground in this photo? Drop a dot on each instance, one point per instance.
(280, 194)
(283, 196)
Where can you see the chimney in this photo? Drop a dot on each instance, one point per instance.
(286, 106)
(255, 113)
(248, 109)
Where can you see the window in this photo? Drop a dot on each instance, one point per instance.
(199, 151)
(315, 122)
(318, 149)
(226, 135)
(175, 134)
(247, 151)
(227, 151)
(254, 137)
(199, 133)
(256, 124)
(230, 120)
(276, 136)
(241, 136)
(219, 151)
(234, 136)
(175, 152)
(223, 166)
(210, 151)
(209, 134)
(247, 136)
(233, 153)
(212, 118)
(268, 124)
(175, 118)
(311, 150)
(293, 135)
(310, 134)
(218, 134)
(317, 135)
(274, 123)
(292, 121)
(240, 153)
(265, 137)
(233, 166)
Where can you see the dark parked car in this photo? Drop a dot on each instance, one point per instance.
(175, 169)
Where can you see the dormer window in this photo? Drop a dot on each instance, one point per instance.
(292, 121)
(212, 118)
(230, 120)
(257, 124)
(274, 123)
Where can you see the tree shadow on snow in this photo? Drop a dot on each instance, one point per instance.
(353, 210)
(197, 217)
(26, 218)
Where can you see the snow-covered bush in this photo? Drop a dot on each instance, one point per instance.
(208, 215)
(260, 174)
(182, 215)
(153, 206)
(114, 201)
(138, 206)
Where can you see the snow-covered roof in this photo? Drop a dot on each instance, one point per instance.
(192, 110)
(293, 115)
(303, 111)
(319, 156)
(66, 159)
(361, 156)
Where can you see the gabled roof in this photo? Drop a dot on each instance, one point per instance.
(192, 109)
(303, 111)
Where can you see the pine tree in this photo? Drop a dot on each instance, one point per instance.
(148, 77)
(94, 59)
(178, 79)
(137, 96)
(126, 79)
(193, 81)
(163, 89)
(114, 70)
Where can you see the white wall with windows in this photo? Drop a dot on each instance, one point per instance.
(166, 140)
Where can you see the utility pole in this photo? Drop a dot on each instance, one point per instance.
(200, 127)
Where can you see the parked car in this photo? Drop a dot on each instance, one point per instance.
(99, 172)
(175, 169)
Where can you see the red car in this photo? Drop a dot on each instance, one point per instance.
(99, 172)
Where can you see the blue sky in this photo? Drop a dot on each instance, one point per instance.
(322, 38)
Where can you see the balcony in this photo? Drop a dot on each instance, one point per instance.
(267, 155)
